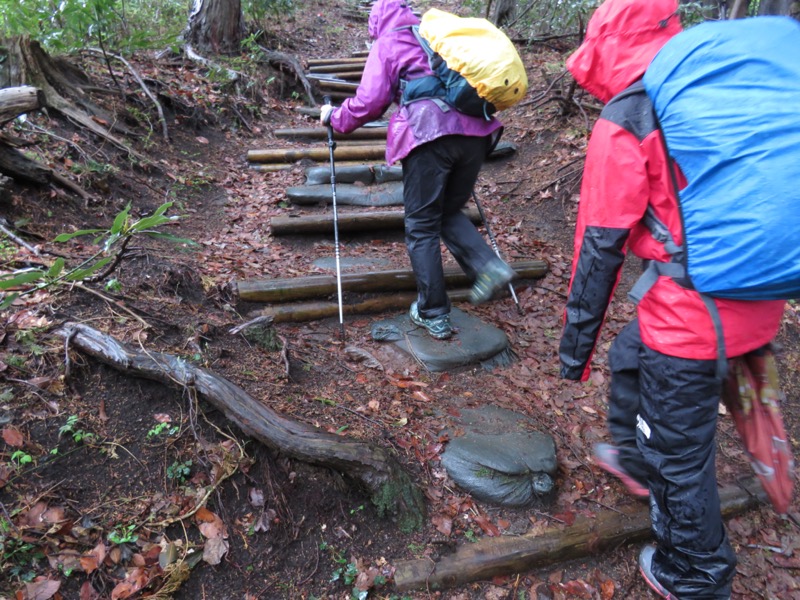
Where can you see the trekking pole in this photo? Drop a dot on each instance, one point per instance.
(331, 147)
(495, 248)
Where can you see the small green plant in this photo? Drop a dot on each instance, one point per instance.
(16, 361)
(179, 471)
(71, 428)
(21, 458)
(113, 285)
(416, 548)
(112, 242)
(347, 573)
(161, 429)
(470, 535)
(18, 558)
(27, 338)
(123, 535)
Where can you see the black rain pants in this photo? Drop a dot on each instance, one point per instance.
(438, 179)
(663, 417)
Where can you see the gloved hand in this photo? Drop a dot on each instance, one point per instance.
(325, 114)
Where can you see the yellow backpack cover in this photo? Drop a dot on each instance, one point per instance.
(480, 52)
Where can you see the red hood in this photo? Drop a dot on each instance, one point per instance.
(622, 38)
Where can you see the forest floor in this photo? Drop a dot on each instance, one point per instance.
(114, 486)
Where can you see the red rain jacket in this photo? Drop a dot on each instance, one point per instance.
(626, 169)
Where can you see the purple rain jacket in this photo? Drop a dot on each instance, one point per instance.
(396, 55)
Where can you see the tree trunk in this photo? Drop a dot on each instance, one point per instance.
(216, 26)
(504, 12)
(775, 7)
(389, 485)
(61, 85)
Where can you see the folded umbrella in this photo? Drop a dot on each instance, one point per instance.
(752, 395)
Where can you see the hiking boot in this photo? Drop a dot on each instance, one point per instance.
(606, 456)
(438, 327)
(645, 564)
(496, 275)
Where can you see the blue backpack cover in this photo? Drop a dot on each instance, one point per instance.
(727, 95)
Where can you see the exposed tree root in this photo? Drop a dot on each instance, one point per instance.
(373, 468)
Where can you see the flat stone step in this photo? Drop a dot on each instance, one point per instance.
(475, 343)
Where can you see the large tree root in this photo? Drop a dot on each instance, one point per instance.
(373, 468)
(61, 85)
(506, 555)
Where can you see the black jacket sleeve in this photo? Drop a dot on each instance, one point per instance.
(596, 275)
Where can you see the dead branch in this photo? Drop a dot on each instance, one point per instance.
(143, 85)
(233, 76)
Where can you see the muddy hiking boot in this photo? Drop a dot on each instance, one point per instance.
(495, 276)
(606, 457)
(645, 568)
(438, 327)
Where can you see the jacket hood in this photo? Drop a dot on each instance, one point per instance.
(387, 15)
(622, 37)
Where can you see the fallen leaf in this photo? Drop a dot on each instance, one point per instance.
(202, 140)
(214, 550)
(443, 524)
(487, 526)
(13, 437)
(42, 589)
(256, 497)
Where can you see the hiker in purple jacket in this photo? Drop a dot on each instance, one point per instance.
(441, 150)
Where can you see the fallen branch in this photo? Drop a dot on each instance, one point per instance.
(371, 467)
(143, 85)
(233, 76)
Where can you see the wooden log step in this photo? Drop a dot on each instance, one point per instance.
(492, 557)
(383, 194)
(348, 222)
(341, 86)
(366, 174)
(358, 64)
(314, 311)
(349, 77)
(367, 152)
(273, 168)
(336, 95)
(321, 133)
(319, 62)
(321, 286)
